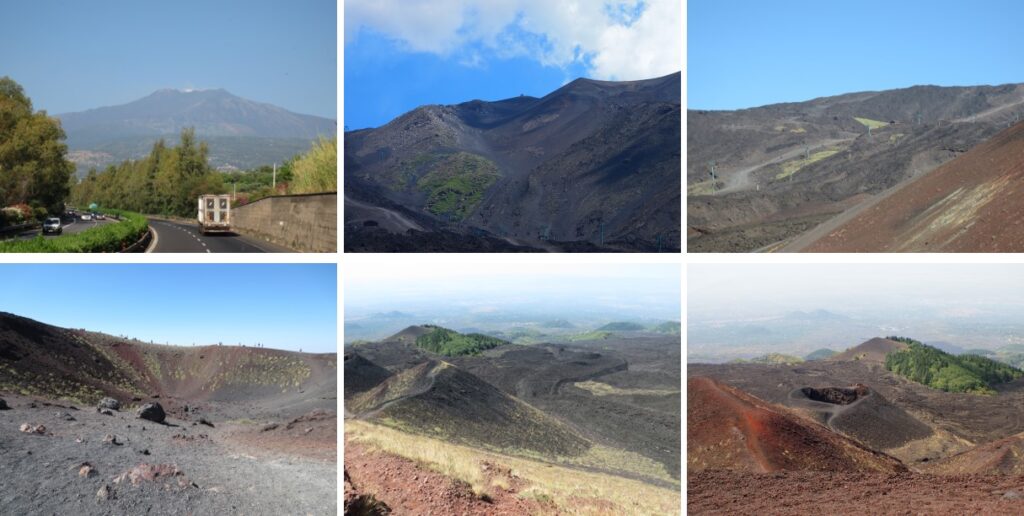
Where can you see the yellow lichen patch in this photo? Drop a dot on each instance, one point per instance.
(957, 210)
(874, 124)
(792, 166)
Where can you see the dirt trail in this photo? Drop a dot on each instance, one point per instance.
(740, 180)
(389, 219)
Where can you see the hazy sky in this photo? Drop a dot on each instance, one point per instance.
(400, 54)
(651, 289)
(71, 56)
(746, 289)
(281, 306)
(745, 54)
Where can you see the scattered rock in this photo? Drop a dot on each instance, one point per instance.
(86, 470)
(104, 411)
(144, 451)
(204, 421)
(103, 493)
(1013, 495)
(111, 439)
(32, 429)
(185, 408)
(153, 472)
(308, 430)
(65, 416)
(269, 427)
(155, 396)
(33, 405)
(3, 405)
(109, 403)
(136, 398)
(152, 412)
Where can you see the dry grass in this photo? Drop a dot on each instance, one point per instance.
(572, 491)
(603, 389)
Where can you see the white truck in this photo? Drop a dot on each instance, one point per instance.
(214, 214)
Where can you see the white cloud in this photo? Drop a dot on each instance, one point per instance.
(608, 38)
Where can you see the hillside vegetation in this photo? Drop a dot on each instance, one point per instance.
(940, 370)
(771, 358)
(452, 343)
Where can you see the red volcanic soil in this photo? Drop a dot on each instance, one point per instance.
(729, 429)
(846, 493)
(1002, 457)
(407, 488)
(971, 204)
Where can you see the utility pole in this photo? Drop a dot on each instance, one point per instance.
(714, 178)
(273, 179)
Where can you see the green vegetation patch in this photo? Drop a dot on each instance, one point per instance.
(792, 166)
(106, 238)
(452, 343)
(670, 328)
(874, 124)
(591, 335)
(940, 370)
(456, 184)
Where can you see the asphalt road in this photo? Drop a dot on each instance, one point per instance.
(71, 226)
(177, 237)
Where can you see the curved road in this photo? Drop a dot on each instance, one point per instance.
(69, 228)
(177, 237)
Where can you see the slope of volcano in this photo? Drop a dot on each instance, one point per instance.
(593, 165)
(729, 429)
(582, 406)
(785, 169)
(967, 205)
(246, 429)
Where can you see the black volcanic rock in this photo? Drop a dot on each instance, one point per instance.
(593, 163)
(152, 412)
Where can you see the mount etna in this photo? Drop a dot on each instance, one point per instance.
(826, 174)
(438, 421)
(241, 133)
(592, 166)
(97, 424)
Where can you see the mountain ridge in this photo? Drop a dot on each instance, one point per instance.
(593, 163)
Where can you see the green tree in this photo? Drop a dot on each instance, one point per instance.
(317, 170)
(34, 168)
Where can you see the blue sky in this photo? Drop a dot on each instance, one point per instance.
(289, 306)
(72, 56)
(401, 54)
(746, 54)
